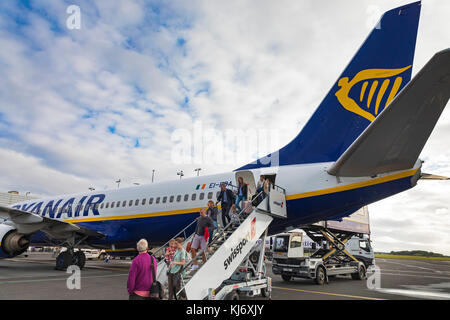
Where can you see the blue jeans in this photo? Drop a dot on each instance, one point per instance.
(238, 200)
(214, 231)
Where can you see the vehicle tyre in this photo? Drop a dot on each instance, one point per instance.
(286, 277)
(63, 260)
(79, 259)
(360, 275)
(254, 257)
(264, 293)
(320, 276)
(232, 296)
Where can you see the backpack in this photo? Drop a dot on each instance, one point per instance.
(156, 289)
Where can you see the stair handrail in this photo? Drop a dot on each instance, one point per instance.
(175, 236)
(186, 265)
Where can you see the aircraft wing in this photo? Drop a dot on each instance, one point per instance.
(394, 140)
(28, 223)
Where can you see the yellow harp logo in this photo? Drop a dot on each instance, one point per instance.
(365, 76)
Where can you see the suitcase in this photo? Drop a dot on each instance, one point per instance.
(247, 206)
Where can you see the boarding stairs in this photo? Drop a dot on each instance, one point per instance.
(230, 246)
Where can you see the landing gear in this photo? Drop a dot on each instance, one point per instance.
(63, 260)
(68, 258)
(79, 259)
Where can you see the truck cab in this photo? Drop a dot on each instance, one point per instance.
(361, 249)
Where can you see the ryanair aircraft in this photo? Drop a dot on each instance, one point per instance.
(361, 145)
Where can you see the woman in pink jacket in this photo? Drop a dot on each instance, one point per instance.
(140, 277)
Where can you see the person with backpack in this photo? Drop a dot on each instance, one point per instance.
(176, 269)
(204, 228)
(141, 277)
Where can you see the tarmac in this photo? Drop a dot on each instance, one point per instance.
(34, 277)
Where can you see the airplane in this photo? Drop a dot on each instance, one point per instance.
(361, 145)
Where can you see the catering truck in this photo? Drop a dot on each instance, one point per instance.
(336, 248)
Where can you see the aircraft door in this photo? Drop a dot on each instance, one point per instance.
(249, 179)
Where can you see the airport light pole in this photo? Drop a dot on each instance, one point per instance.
(91, 189)
(180, 173)
(198, 171)
(153, 174)
(118, 183)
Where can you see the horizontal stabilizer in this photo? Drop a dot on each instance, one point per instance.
(429, 176)
(394, 140)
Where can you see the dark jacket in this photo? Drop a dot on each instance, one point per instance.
(244, 190)
(230, 196)
(202, 223)
(212, 213)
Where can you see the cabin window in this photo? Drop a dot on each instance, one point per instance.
(130, 203)
(136, 203)
(186, 197)
(118, 204)
(165, 199)
(157, 199)
(202, 196)
(171, 198)
(210, 194)
(179, 198)
(124, 203)
(107, 205)
(102, 205)
(96, 206)
(150, 201)
(217, 195)
(112, 204)
(143, 201)
(194, 195)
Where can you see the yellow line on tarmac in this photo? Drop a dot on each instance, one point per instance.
(329, 293)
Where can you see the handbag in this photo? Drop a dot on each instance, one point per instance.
(156, 289)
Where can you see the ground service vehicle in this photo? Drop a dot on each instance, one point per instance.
(334, 245)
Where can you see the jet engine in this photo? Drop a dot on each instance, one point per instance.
(12, 243)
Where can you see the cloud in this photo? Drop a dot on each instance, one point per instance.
(82, 108)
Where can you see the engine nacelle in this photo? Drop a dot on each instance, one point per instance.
(12, 243)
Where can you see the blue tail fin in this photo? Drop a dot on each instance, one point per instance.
(378, 71)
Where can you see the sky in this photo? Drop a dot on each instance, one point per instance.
(112, 99)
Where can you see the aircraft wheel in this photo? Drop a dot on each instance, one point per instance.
(79, 259)
(63, 260)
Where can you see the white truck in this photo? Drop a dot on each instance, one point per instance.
(337, 248)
